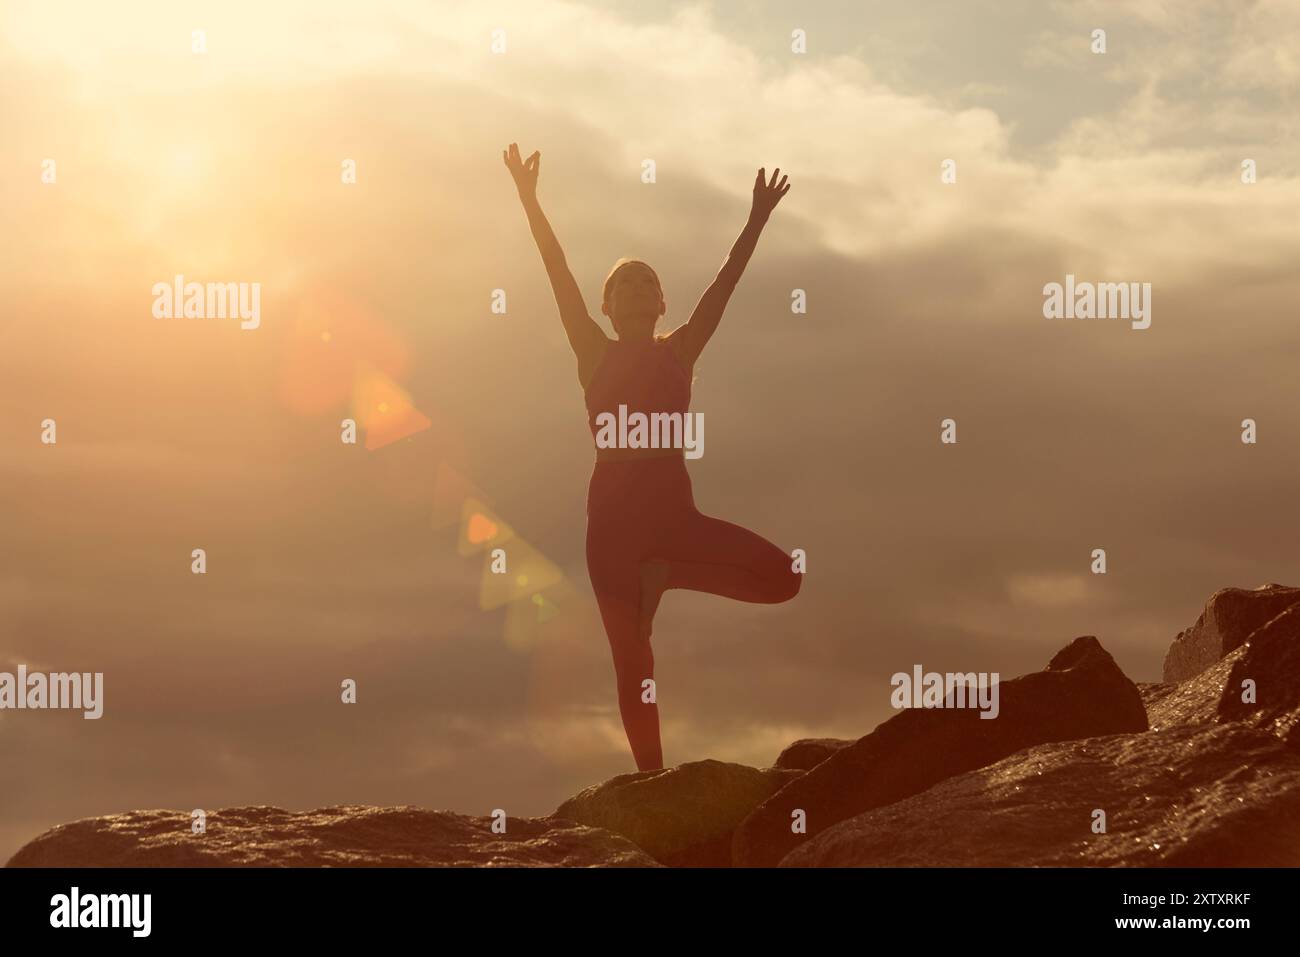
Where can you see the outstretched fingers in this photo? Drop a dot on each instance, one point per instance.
(761, 180)
(523, 171)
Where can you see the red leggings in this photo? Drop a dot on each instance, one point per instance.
(642, 511)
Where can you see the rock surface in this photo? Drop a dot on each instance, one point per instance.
(1209, 796)
(806, 753)
(1082, 693)
(1271, 659)
(1190, 702)
(1227, 621)
(343, 836)
(683, 816)
(1215, 781)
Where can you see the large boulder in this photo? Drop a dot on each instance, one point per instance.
(1220, 795)
(1271, 659)
(1229, 618)
(344, 836)
(1082, 693)
(682, 816)
(1214, 782)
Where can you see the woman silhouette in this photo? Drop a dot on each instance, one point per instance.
(644, 533)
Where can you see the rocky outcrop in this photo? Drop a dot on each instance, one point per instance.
(1209, 796)
(1268, 658)
(683, 816)
(806, 753)
(1229, 617)
(1081, 693)
(1271, 663)
(1203, 770)
(1190, 702)
(1215, 782)
(344, 836)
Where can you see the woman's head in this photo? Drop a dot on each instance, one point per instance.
(633, 299)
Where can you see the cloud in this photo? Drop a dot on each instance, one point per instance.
(1047, 590)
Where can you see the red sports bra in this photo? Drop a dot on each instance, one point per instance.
(644, 375)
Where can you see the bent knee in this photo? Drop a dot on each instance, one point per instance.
(783, 582)
(789, 584)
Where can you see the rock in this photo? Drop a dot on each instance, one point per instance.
(807, 753)
(1271, 658)
(1192, 701)
(682, 816)
(1214, 782)
(1082, 693)
(1220, 795)
(344, 836)
(1227, 621)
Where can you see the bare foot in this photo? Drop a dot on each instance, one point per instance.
(654, 579)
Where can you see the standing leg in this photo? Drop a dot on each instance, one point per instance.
(614, 567)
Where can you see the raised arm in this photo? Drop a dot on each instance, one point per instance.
(697, 330)
(586, 338)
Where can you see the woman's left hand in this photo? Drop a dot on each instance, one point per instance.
(767, 195)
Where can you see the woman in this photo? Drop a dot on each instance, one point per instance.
(644, 533)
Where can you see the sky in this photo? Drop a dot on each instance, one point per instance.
(328, 561)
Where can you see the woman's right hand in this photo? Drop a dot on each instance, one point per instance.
(523, 171)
